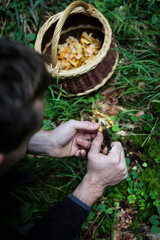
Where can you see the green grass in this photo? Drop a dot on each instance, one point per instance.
(135, 25)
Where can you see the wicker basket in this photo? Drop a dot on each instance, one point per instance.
(78, 17)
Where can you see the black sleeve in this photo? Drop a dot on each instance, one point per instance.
(61, 223)
(8, 232)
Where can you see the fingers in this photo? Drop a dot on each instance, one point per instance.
(110, 169)
(83, 143)
(96, 144)
(115, 150)
(84, 125)
(82, 140)
(125, 172)
(121, 162)
(80, 153)
(117, 146)
(105, 151)
(88, 136)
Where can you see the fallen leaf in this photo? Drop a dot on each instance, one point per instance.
(139, 114)
(121, 133)
(125, 218)
(128, 236)
(108, 91)
(138, 154)
(117, 235)
(153, 236)
(110, 104)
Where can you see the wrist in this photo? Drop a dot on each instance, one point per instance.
(80, 203)
(88, 191)
(40, 143)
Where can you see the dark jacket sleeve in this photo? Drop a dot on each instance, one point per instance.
(8, 232)
(61, 223)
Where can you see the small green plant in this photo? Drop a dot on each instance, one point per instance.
(105, 214)
(155, 221)
(142, 191)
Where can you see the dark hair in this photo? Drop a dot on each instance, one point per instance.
(23, 79)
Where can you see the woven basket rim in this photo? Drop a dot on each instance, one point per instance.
(97, 59)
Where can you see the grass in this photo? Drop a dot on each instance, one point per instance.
(135, 25)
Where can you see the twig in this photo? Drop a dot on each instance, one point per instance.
(92, 225)
(7, 3)
(99, 224)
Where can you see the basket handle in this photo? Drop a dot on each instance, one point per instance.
(59, 26)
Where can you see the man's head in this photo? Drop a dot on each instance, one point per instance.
(23, 80)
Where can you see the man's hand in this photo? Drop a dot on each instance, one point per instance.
(102, 171)
(68, 139)
(109, 169)
(71, 138)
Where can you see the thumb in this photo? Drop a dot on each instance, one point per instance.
(96, 144)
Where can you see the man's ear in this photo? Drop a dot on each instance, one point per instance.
(1, 158)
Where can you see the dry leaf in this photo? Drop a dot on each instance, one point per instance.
(125, 218)
(138, 114)
(121, 133)
(110, 104)
(128, 236)
(138, 154)
(108, 91)
(155, 236)
(117, 235)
